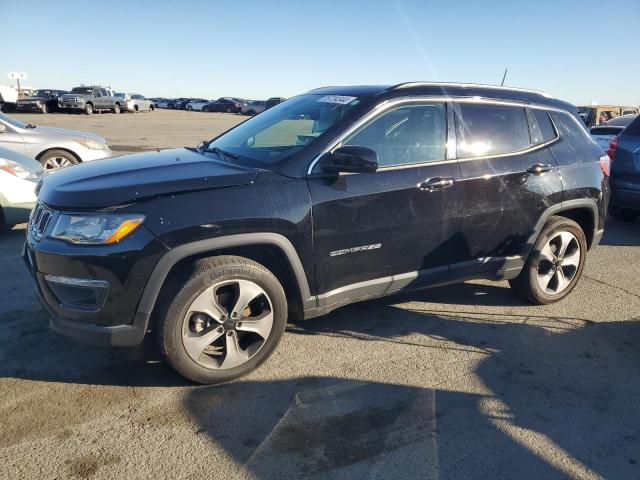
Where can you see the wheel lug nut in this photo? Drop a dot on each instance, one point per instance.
(220, 329)
(234, 315)
(239, 324)
(230, 333)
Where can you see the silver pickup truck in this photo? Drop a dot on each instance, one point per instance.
(91, 99)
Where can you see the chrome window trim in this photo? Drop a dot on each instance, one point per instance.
(451, 154)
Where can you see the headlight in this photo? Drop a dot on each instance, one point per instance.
(95, 229)
(17, 170)
(91, 144)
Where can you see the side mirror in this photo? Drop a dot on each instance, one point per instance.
(3, 128)
(350, 159)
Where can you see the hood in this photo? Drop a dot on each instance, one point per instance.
(56, 132)
(130, 178)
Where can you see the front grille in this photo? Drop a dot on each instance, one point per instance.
(39, 220)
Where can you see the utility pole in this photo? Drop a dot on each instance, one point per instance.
(504, 76)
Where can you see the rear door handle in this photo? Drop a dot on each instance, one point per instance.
(539, 169)
(436, 183)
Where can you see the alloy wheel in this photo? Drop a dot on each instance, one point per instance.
(56, 162)
(558, 263)
(227, 324)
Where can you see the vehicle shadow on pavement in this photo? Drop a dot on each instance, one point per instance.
(561, 402)
(621, 234)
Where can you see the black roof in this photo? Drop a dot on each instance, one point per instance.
(448, 89)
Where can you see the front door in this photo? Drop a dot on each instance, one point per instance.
(377, 232)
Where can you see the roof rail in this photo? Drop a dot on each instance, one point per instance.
(466, 85)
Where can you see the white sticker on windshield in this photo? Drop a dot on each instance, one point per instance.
(341, 99)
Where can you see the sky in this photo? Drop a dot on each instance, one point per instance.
(581, 51)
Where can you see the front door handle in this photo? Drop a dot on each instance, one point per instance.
(436, 183)
(539, 169)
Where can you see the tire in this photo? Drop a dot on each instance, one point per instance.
(151, 108)
(223, 278)
(623, 214)
(560, 272)
(228, 110)
(44, 108)
(54, 159)
(116, 108)
(251, 113)
(88, 109)
(190, 108)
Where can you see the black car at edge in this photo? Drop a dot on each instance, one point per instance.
(335, 196)
(43, 101)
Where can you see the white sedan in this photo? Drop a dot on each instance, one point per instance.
(19, 175)
(197, 104)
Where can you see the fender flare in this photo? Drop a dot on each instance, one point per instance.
(589, 203)
(174, 255)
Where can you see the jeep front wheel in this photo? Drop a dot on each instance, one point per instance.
(554, 265)
(224, 321)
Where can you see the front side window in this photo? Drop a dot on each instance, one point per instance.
(287, 128)
(483, 130)
(405, 135)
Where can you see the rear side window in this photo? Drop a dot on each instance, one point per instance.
(490, 130)
(544, 123)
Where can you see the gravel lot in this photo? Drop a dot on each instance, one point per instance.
(457, 382)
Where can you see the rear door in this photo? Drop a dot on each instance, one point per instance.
(508, 178)
(377, 232)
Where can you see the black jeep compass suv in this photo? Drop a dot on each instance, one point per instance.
(335, 196)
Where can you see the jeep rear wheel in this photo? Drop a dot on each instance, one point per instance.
(224, 321)
(554, 265)
(88, 109)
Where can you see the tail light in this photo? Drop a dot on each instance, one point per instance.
(605, 165)
(613, 146)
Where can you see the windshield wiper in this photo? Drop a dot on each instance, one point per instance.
(221, 153)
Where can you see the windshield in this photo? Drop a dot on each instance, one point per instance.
(12, 121)
(286, 128)
(42, 93)
(82, 90)
(120, 94)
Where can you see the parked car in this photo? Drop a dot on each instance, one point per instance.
(196, 104)
(624, 151)
(161, 103)
(43, 101)
(321, 201)
(18, 177)
(593, 115)
(604, 132)
(229, 105)
(182, 104)
(134, 102)
(8, 97)
(90, 99)
(273, 101)
(253, 107)
(52, 147)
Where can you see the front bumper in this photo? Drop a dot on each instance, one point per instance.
(21, 107)
(125, 267)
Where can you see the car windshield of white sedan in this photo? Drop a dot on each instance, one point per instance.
(286, 128)
(12, 121)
